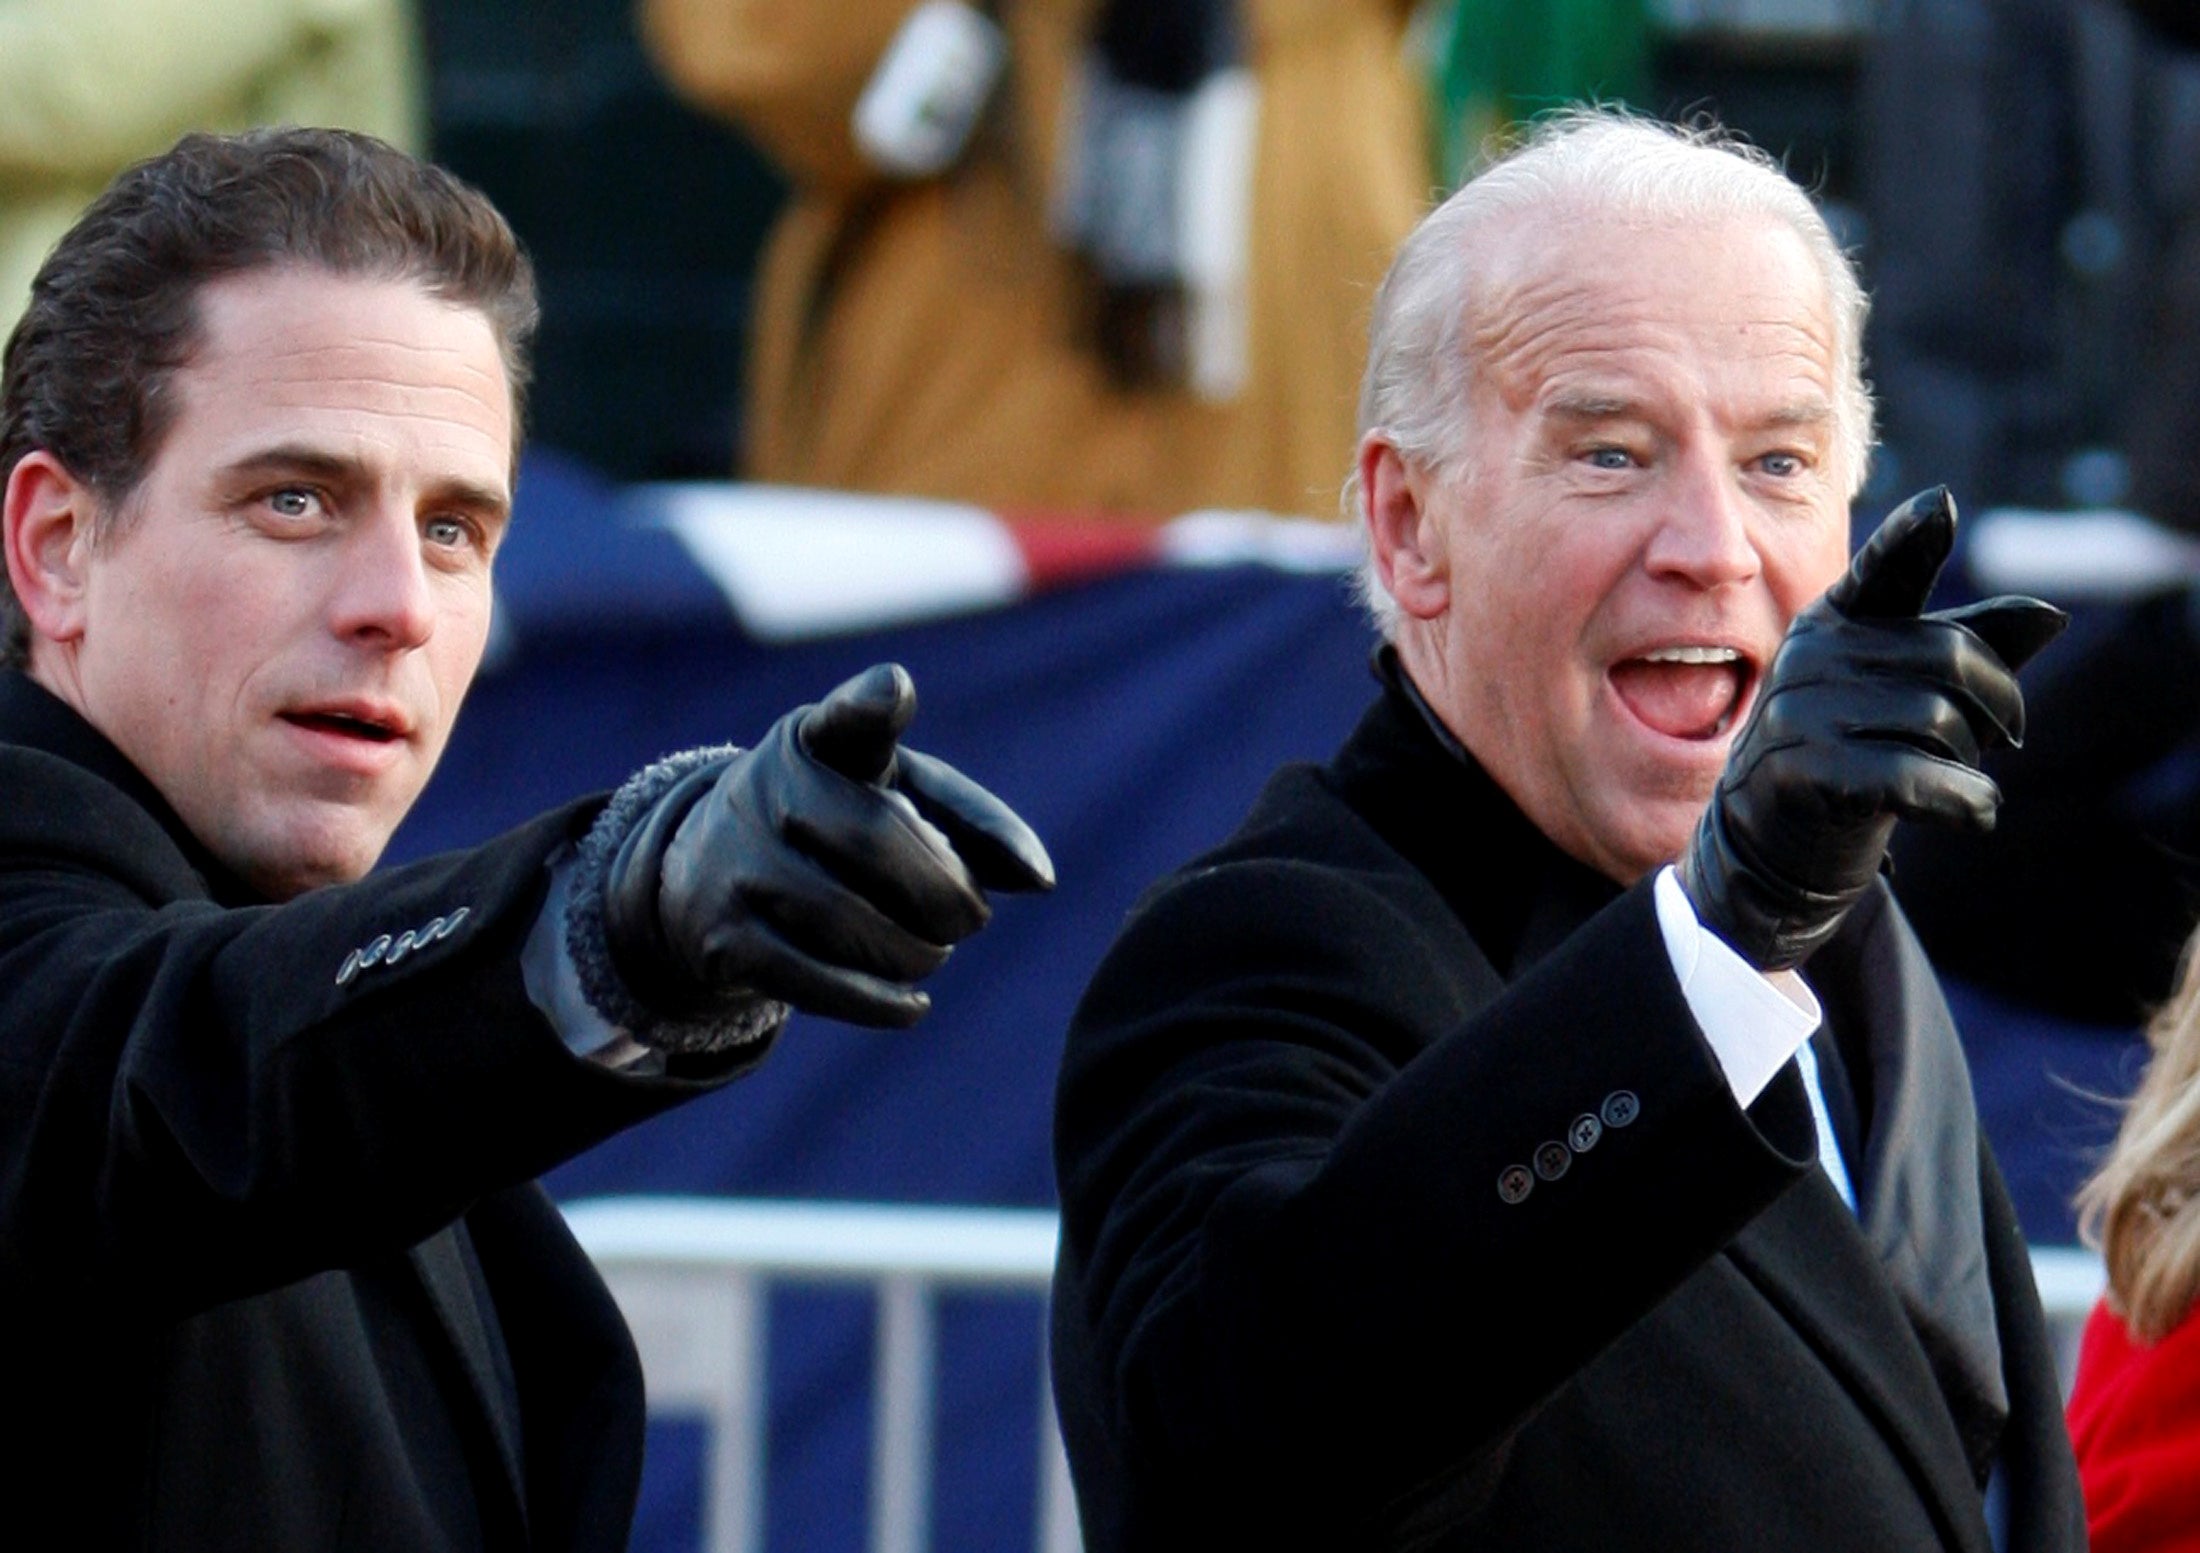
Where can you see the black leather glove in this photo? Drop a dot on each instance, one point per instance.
(827, 867)
(1872, 711)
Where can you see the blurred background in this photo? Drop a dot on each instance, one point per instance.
(808, 398)
(2015, 174)
(645, 219)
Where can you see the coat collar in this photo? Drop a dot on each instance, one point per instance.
(35, 718)
(1517, 893)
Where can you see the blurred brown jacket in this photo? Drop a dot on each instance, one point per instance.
(923, 338)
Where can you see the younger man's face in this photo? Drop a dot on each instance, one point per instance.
(280, 628)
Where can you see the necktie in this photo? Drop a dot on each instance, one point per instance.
(1829, 1147)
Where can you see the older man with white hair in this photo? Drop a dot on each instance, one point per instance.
(1537, 1127)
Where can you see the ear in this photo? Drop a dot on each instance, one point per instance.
(46, 521)
(1405, 538)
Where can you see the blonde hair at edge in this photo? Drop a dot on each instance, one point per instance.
(2141, 1210)
(1598, 159)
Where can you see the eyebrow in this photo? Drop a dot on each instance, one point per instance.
(291, 458)
(1801, 412)
(1574, 405)
(1594, 406)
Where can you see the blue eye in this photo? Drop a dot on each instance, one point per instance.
(446, 531)
(1609, 458)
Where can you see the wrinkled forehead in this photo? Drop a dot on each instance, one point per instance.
(1576, 288)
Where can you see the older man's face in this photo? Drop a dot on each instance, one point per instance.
(1656, 490)
(280, 634)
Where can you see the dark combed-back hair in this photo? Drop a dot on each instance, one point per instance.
(90, 369)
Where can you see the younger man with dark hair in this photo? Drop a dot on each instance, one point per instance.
(271, 1265)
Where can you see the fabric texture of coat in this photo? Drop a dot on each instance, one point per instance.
(273, 1271)
(89, 86)
(1405, 1206)
(923, 337)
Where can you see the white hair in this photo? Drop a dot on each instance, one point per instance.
(1419, 357)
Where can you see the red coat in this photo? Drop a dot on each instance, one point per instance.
(2135, 1420)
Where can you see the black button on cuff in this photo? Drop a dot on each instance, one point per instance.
(1552, 1160)
(1621, 1107)
(1514, 1183)
(1583, 1135)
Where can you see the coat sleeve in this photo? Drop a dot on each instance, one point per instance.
(1289, 1132)
(196, 1103)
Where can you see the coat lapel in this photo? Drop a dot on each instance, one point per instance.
(1809, 1260)
(1914, 1257)
(457, 1294)
(1919, 1191)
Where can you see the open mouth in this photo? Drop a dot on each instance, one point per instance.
(1687, 692)
(343, 724)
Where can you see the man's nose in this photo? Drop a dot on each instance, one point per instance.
(383, 597)
(1704, 533)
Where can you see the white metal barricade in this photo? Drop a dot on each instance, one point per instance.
(690, 1274)
(2070, 1279)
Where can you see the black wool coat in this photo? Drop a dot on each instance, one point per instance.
(273, 1271)
(1405, 1206)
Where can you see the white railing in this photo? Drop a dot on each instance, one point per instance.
(2070, 1279)
(690, 1274)
(1770, 20)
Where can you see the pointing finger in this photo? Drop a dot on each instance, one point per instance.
(853, 730)
(1893, 574)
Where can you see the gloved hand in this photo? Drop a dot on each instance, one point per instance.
(827, 867)
(1872, 711)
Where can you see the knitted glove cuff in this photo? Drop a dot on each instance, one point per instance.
(736, 1020)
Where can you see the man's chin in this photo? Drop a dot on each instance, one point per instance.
(282, 867)
(1658, 835)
